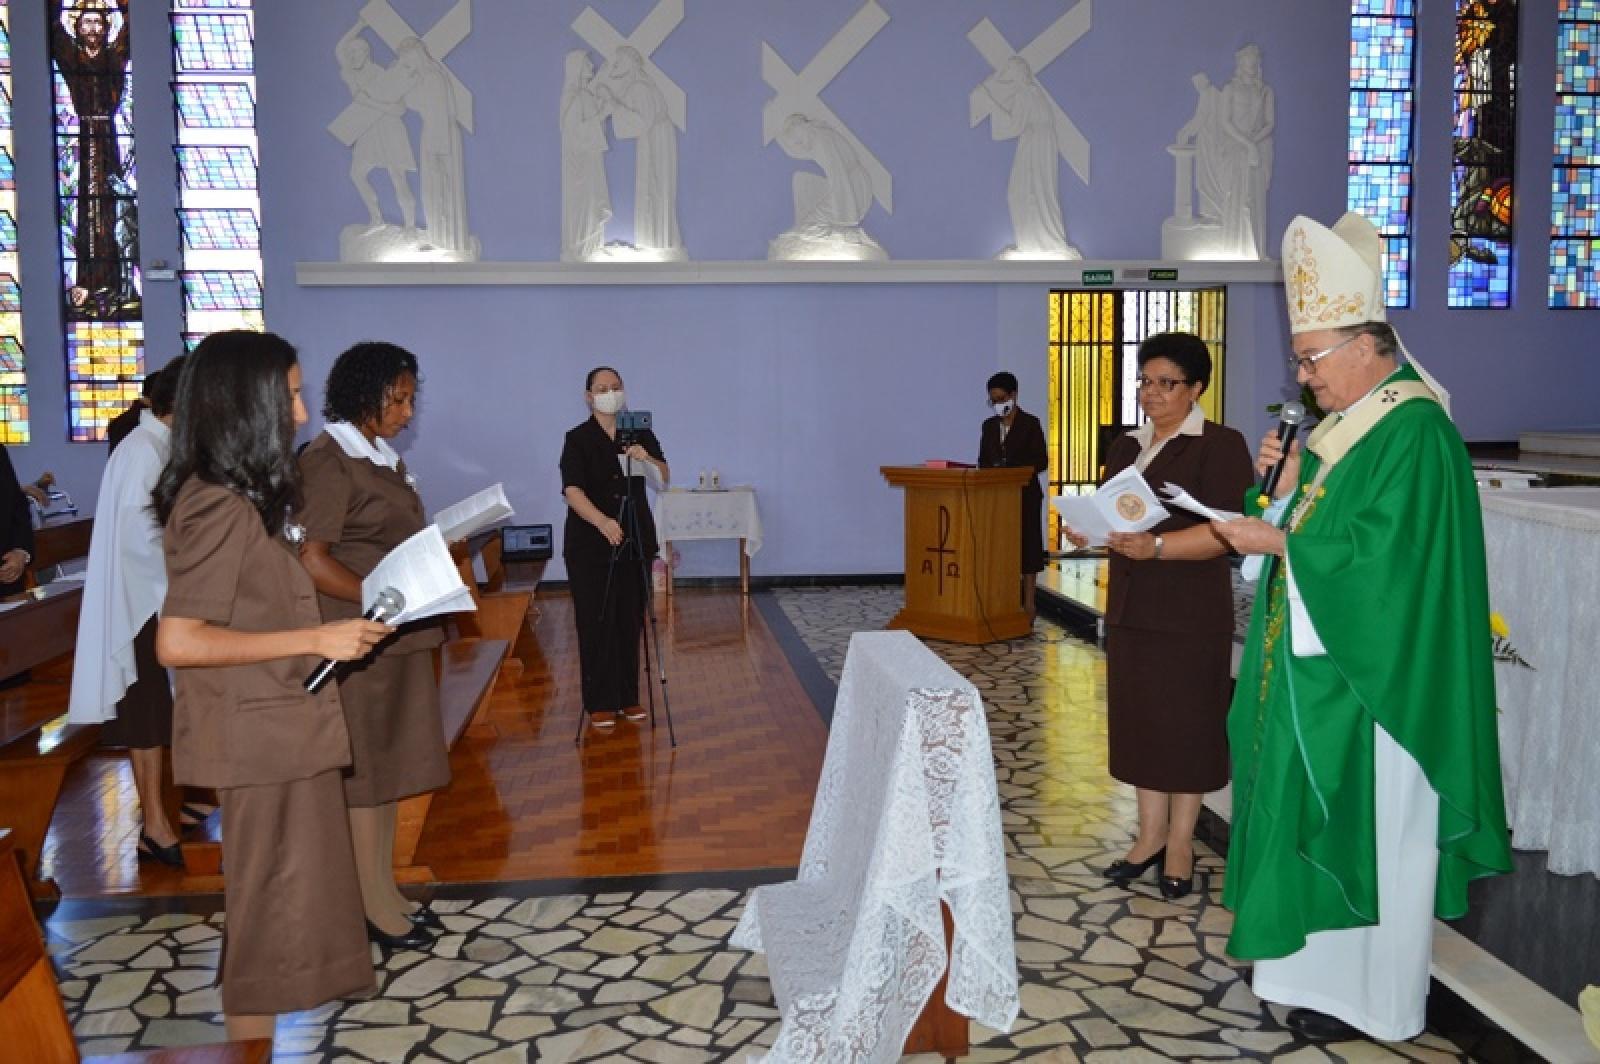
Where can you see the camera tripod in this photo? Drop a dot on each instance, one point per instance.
(628, 518)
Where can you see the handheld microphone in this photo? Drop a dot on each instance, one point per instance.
(1289, 419)
(389, 603)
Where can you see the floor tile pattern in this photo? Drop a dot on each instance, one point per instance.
(1107, 974)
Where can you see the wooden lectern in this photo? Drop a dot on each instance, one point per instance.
(963, 553)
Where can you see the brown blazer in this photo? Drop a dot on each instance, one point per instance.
(244, 725)
(362, 511)
(1169, 596)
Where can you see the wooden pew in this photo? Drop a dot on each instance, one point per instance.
(500, 616)
(33, 1021)
(36, 750)
(39, 629)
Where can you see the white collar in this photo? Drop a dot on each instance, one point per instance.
(151, 423)
(1193, 425)
(353, 443)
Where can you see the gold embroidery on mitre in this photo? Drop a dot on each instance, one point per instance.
(1308, 303)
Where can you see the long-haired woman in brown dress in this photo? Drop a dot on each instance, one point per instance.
(361, 503)
(1169, 615)
(240, 624)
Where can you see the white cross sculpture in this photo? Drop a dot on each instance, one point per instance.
(801, 94)
(1044, 50)
(656, 27)
(440, 41)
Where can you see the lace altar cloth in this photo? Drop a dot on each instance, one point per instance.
(728, 514)
(1543, 548)
(906, 814)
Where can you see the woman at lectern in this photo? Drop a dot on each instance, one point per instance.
(360, 503)
(1169, 615)
(240, 625)
(609, 542)
(1013, 437)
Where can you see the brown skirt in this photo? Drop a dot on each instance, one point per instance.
(391, 707)
(1167, 696)
(295, 934)
(144, 714)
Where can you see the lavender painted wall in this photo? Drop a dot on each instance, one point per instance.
(803, 390)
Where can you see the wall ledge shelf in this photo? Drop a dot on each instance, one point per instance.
(1121, 273)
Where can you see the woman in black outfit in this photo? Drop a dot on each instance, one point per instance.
(1014, 438)
(603, 563)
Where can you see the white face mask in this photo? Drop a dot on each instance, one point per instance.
(610, 402)
(1002, 409)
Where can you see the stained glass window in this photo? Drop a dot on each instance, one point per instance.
(1094, 343)
(1383, 38)
(1575, 184)
(13, 378)
(219, 208)
(1485, 148)
(97, 190)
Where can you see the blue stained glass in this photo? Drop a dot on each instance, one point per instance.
(212, 43)
(8, 233)
(8, 171)
(212, 167)
(1482, 284)
(1381, 193)
(1574, 273)
(222, 290)
(1578, 57)
(1583, 10)
(1380, 126)
(215, 105)
(10, 295)
(1575, 202)
(207, 5)
(1578, 131)
(5, 104)
(1380, 53)
(226, 229)
(5, 45)
(1392, 8)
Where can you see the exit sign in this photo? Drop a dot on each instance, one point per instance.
(1098, 276)
(1163, 275)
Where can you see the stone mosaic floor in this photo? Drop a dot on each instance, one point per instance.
(1107, 974)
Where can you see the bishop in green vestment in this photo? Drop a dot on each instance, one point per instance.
(1366, 770)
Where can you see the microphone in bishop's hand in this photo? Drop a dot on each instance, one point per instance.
(389, 603)
(1289, 419)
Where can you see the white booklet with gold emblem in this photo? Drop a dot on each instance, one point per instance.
(1124, 503)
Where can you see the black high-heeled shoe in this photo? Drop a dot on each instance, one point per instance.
(1175, 887)
(1124, 871)
(416, 938)
(149, 850)
(426, 917)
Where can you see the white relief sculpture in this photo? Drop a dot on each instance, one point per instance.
(828, 209)
(373, 126)
(1224, 155)
(384, 142)
(1019, 108)
(585, 195)
(647, 106)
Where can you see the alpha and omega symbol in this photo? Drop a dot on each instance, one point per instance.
(941, 564)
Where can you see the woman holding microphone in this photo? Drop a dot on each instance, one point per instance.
(240, 625)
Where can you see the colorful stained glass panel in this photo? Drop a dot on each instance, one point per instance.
(1379, 141)
(14, 427)
(222, 290)
(1575, 176)
(1482, 179)
(215, 105)
(218, 44)
(213, 167)
(228, 229)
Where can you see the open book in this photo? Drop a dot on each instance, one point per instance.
(1124, 503)
(422, 571)
(474, 514)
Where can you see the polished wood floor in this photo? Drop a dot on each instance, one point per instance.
(526, 804)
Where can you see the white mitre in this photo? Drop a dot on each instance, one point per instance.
(1333, 279)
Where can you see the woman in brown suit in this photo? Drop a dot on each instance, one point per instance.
(360, 504)
(1015, 438)
(1169, 615)
(240, 624)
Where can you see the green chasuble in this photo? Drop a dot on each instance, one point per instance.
(1388, 559)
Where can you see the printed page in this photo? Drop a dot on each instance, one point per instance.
(472, 515)
(1083, 516)
(1184, 501)
(422, 571)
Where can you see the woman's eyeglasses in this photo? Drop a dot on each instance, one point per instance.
(1164, 385)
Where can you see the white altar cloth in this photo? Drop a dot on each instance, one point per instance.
(906, 815)
(731, 514)
(1543, 547)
